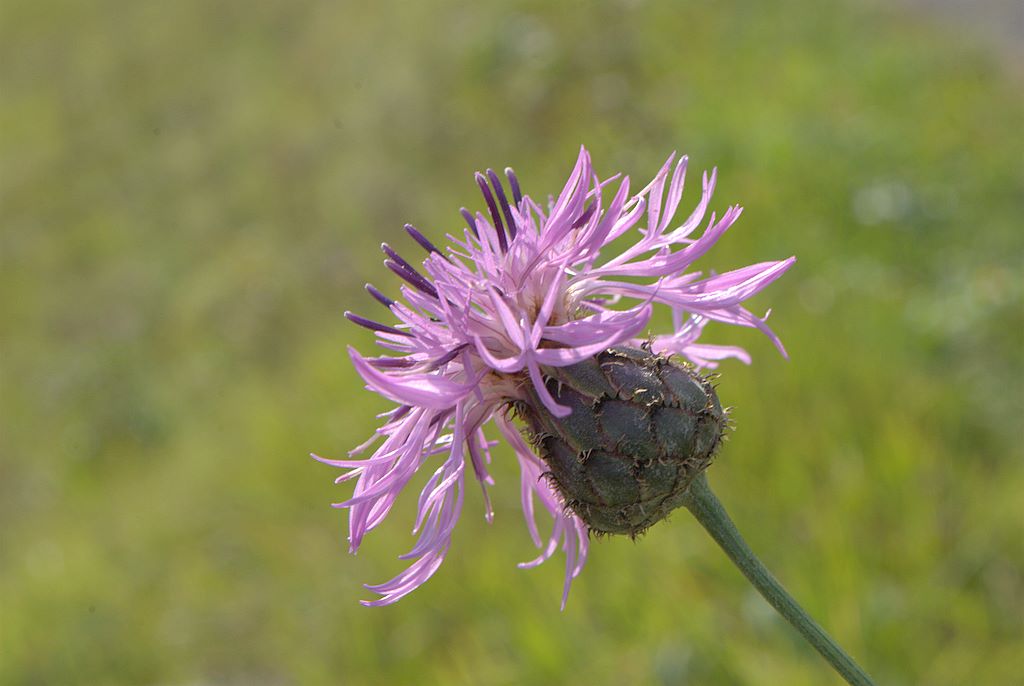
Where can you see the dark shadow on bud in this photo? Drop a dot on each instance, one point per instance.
(642, 427)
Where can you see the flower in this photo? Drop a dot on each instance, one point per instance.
(522, 290)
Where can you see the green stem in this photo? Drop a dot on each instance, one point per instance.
(713, 517)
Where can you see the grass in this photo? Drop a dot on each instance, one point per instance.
(190, 196)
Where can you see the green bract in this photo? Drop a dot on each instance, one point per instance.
(642, 427)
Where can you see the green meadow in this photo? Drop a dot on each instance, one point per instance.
(192, 193)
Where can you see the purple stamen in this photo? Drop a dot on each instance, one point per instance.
(446, 358)
(493, 209)
(468, 216)
(390, 252)
(585, 215)
(412, 277)
(374, 326)
(407, 271)
(390, 362)
(503, 201)
(400, 412)
(423, 241)
(379, 297)
(517, 195)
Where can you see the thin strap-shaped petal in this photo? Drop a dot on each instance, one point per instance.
(424, 390)
(629, 327)
(568, 530)
(544, 394)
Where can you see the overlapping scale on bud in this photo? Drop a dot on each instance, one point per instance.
(642, 427)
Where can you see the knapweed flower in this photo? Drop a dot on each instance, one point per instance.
(507, 320)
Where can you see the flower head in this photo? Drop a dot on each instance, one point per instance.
(522, 291)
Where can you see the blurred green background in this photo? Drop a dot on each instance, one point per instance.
(192, 193)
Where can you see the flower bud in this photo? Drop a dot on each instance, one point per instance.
(642, 428)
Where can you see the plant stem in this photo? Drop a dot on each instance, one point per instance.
(701, 501)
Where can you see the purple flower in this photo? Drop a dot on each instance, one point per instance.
(524, 288)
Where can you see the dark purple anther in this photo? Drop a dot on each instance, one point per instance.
(390, 362)
(423, 240)
(446, 358)
(412, 277)
(503, 201)
(407, 271)
(390, 252)
(582, 219)
(379, 297)
(513, 182)
(399, 412)
(471, 220)
(493, 209)
(374, 326)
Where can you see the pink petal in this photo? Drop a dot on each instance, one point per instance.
(424, 390)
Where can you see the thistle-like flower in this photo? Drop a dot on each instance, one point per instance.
(524, 315)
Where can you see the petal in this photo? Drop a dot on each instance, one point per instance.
(507, 365)
(408, 581)
(543, 393)
(736, 286)
(424, 390)
(623, 329)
